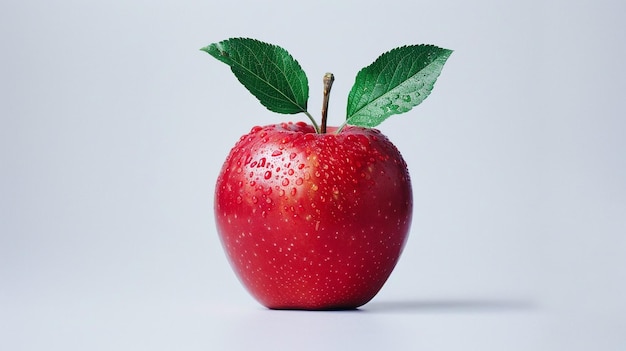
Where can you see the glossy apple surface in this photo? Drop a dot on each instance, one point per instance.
(313, 221)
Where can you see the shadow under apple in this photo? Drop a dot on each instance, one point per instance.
(450, 305)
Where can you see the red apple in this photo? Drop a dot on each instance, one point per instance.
(314, 217)
(313, 221)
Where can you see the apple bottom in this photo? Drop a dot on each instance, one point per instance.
(324, 271)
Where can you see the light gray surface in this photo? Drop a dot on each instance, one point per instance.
(114, 126)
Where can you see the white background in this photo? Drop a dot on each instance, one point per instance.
(113, 127)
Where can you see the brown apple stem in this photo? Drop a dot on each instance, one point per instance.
(329, 78)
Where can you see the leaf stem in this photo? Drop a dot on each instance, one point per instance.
(315, 126)
(341, 127)
(329, 78)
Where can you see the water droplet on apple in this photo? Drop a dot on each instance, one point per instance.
(239, 199)
(293, 191)
(285, 182)
(255, 200)
(290, 172)
(267, 175)
(300, 166)
(277, 153)
(292, 155)
(299, 181)
(261, 162)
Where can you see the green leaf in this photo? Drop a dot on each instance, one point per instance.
(395, 83)
(267, 71)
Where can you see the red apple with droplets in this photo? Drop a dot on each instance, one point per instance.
(313, 217)
(313, 221)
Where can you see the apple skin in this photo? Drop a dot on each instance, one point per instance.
(313, 221)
